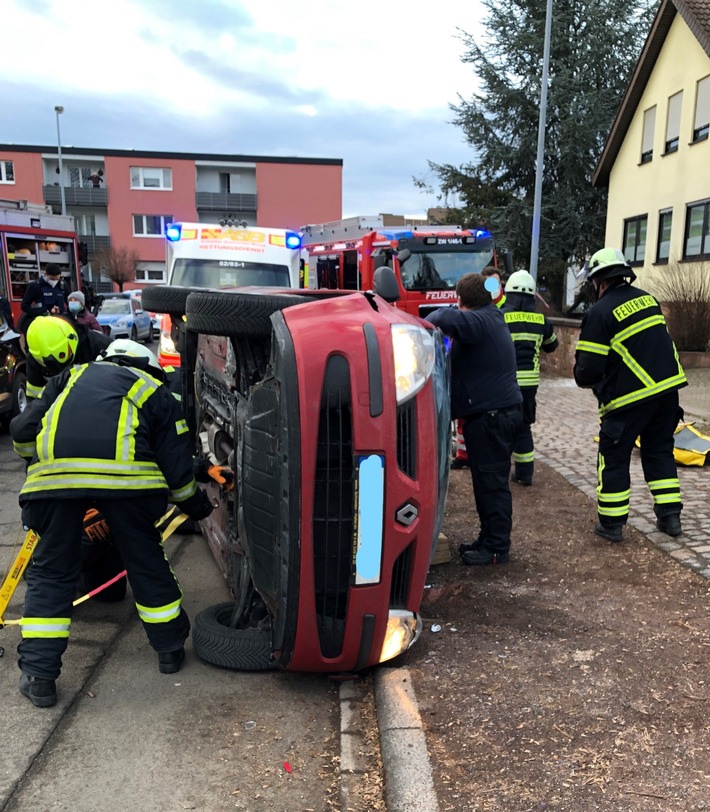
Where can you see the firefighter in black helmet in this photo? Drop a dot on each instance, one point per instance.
(627, 357)
(110, 435)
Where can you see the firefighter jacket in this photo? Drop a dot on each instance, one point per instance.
(88, 348)
(625, 353)
(531, 332)
(482, 359)
(107, 429)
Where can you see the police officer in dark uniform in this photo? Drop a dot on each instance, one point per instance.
(627, 357)
(44, 297)
(109, 435)
(531, 332)
(485, 393)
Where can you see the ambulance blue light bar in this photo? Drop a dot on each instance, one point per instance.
(172, 233)
(293, 241)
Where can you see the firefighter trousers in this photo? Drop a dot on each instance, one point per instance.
(653, 421)
(489, 440)
(54, 571)
(524, 447)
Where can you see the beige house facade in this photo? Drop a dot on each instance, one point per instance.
(656, 160)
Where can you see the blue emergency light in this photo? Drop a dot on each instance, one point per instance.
(172, 233)
(293, 241)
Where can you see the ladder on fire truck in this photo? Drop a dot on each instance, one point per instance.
(352, 228)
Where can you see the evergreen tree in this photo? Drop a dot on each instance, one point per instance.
(594, 48)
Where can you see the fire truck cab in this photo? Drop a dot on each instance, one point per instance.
(345, 254)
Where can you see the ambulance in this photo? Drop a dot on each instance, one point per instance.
(216, 257)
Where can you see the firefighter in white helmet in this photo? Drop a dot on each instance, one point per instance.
(627, 357)
(531, 332)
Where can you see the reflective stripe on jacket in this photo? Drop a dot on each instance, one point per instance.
(625, 352)
(531, 332)
(102, 429)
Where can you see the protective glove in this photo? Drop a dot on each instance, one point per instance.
(201, 469)
(198, 506)
(223, 476)
(96, 527)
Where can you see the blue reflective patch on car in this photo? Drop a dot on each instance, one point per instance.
(370, 512)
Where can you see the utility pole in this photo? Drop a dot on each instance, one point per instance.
(59, 110)
(535, 244)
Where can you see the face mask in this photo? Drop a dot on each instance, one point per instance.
(74, 307)
(52, 282)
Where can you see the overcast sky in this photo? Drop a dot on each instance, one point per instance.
(368, 81)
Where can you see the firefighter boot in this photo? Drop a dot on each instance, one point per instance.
(669, 524)
(42, 693)
(169, 662)
(610, 532)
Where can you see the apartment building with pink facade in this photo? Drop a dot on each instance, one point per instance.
(127, 197)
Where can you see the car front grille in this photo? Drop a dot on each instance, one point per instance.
(333, 508)
(401, 574)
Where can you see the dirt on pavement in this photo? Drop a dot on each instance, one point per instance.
(575, 677)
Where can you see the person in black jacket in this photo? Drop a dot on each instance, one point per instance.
(627, 357)
(485, 393)
(531, 332)
(44, 297)
(107, 435)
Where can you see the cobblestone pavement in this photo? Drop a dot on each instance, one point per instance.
(567, 422)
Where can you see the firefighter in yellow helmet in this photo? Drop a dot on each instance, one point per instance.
(111, 435)
(627, 357)
(56, 342)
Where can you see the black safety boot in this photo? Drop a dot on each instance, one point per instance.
(521, 480)
(471, 546)
(42, 693)
(169, 662)
(609, 532)
(457, 464)
(670, 524)
(483, 557)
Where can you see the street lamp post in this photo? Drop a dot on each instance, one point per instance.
(59, 110)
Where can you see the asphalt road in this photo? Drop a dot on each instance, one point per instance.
(123, 736)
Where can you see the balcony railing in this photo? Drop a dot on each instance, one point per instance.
(221, 201)
(95, 244)
(76, 196)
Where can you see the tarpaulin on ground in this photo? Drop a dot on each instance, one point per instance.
(690, 446)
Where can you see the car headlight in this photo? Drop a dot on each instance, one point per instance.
(413, 348)
(121, 323)
(403, 629)
(167, 345)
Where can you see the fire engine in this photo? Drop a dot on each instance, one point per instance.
(428, 260)
(31, 237)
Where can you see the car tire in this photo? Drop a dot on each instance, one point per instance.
(236, 314)
(149, 336)
(217, 643)
(134, 333)
(168, 299)
(19, 393)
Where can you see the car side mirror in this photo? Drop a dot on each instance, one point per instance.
(385, 283)
(138, 312)
(403, 255)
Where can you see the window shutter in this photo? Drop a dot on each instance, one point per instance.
(702, 104)
(649, 124)
(673, 127)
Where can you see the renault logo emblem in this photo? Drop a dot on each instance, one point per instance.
(407, 514)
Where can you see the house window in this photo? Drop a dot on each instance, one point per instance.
(151, 177)
(79, 176)
(150, 225)
(7, 172)
(635, 239)
(673, 124)
(665, 219)
(696, 244)
(649, 124)
(702, 110)
(151, 272)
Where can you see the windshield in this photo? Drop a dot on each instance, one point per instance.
(113, 306)
(441, 271)
(228, 273)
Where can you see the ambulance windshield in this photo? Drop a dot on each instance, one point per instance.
(228, 273)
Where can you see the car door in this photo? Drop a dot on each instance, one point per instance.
(141, 319)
